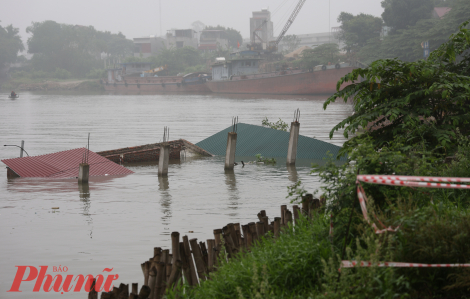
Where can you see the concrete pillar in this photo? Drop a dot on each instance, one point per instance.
(83, 173)
(22, 147)
(293, 139)
(230, 153)
(163, 159)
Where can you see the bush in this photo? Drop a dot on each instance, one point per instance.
(96, 74)
(62, 74)
(39, 75)
(289, 266)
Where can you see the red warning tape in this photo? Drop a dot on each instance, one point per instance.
(414, 181)
(409, 181)
(352, 264)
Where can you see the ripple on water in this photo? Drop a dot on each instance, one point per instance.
(117, 221)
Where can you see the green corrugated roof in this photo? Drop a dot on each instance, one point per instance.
(253, 140)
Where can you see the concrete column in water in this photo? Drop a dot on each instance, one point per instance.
(163, 159)
(22, 147)
(83, 173)
(230, 153)
(293, 139)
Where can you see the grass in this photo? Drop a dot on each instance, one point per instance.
(287, 267)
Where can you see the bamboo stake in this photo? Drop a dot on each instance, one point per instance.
(229, 245)
(205, 255)
(233, 235)
(211, 254)
(277, 226)
(135, 288)
(160, 289)
(152, 282)
(185, 265)
(168, 267)
(175, 246)
(123, 291)
(254, 234)
(288, 217)
(175, 271)
(296, 210)
(144, 292)
(247, 236)
(145, 271)
(265, 221)
(192, 268)
(201, 269)
(283, 217)
(260, 229)
(218, 244)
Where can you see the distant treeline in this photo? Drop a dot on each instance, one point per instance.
(410, 23)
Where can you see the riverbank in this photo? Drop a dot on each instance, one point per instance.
(52, 85)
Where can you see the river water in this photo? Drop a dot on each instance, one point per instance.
(117, 222)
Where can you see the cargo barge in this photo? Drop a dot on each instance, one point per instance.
(138, 77)
(240, 75)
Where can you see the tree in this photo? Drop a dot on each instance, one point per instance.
(323, 54)
(399, 14)
(357, 30)
(10, 44)
(234, 37)
(405, 44)
(291, 43)
(198, 26)
(73, 48)
(427, 101)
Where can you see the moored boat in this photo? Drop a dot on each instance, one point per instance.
(240, 75)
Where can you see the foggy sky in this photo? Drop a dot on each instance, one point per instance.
(137, 18)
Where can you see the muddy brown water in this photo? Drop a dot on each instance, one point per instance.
(117, 221)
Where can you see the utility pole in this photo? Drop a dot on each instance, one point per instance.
(329, 21)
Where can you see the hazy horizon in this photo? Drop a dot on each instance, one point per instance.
(141, 18)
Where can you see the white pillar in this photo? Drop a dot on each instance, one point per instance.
(163, 159)
(83, 173)
(293, 139)
(230, 153)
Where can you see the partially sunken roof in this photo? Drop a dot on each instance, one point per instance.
(253, 140)
(64, 165)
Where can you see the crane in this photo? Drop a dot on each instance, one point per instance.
(272, 46)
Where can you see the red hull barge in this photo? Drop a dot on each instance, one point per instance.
(284, 82)
(158, 85)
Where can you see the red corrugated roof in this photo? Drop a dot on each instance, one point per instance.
(64, 165)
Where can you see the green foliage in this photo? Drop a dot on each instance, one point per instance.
(96, 74)
(400, 14)
(405, 44)
(357, 30)
(181, 60)
(74, 48)
(292, 42)
(265, 160)
(10, 44)
(279, 125)
(323, 54)
(196, 68)
(290, 267)
(364, 282)
(295, 192)
(234, 37)
(62, 74)
(434, 234)
(424, 100)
